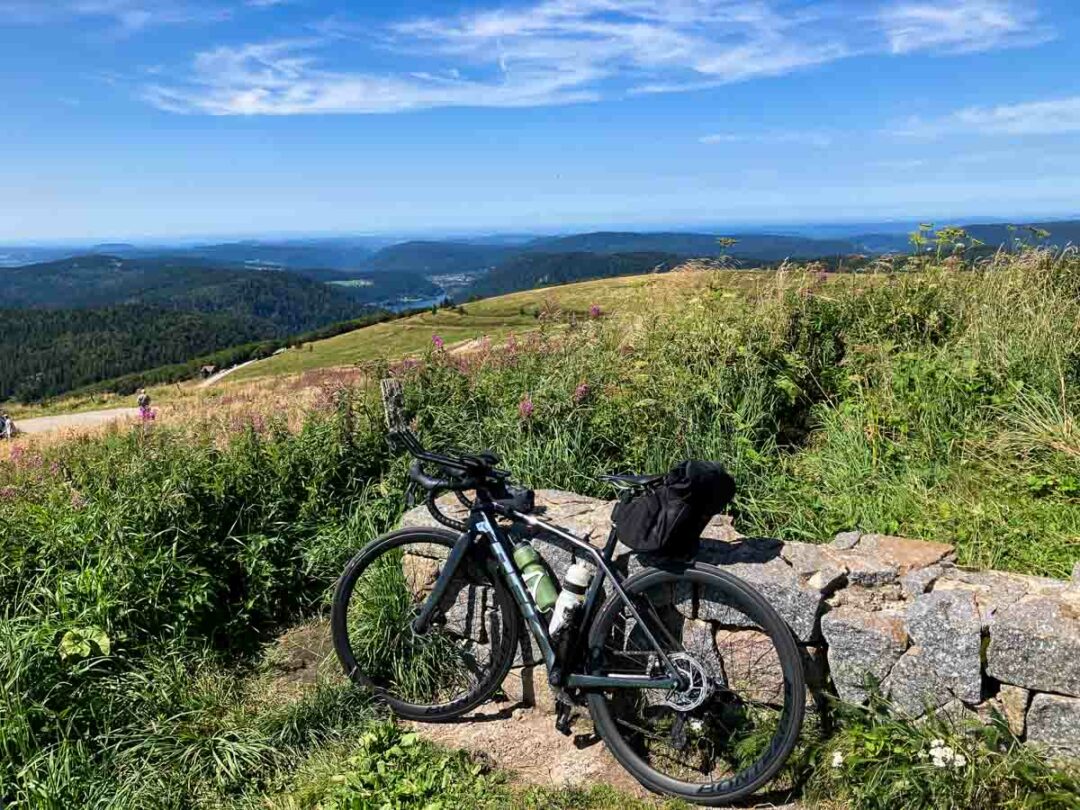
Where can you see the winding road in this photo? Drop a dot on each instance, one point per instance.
(43, 424)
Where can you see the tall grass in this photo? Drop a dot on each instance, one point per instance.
(129, 560)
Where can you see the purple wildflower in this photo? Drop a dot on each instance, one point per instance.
(437, 342)
(526, 407)
(581, 393)
(594, 311)
(511, 344)
(8, 493)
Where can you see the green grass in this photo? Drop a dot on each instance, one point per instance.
(875, 762)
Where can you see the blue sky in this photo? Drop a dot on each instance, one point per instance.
(150, 118)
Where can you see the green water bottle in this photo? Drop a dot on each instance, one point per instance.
(539, 582)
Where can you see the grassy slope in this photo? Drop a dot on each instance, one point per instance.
(494, 317)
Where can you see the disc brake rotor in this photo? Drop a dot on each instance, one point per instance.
(698, 684)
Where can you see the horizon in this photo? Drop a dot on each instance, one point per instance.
(852, 226)
(193, 120)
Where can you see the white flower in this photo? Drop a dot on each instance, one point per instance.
(837, 759)
(959, 761)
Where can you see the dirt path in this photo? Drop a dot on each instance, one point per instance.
(44, 424)
(516, 734)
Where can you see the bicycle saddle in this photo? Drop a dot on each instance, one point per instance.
(632, 480)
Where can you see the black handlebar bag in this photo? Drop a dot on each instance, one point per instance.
(669, 518)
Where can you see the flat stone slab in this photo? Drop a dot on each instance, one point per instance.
(758, 562)
(914, 686)
(947, 627)
(1035, 643)
(863, 647)
(1053, 722)
(903, 552)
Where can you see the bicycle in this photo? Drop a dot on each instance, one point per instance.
(692, 680)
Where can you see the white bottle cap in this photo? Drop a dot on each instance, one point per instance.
(579, 574)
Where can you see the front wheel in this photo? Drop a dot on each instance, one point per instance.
(728, 732)
(466, 651)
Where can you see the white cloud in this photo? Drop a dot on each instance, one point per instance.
(1045, 117)
(960, 26)
(566, 51)
(815, 138)
(127, 15)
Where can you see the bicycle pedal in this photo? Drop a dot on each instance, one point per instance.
(563, 718)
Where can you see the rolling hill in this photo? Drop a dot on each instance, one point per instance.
(47, 352)
(531, 270)
(77, 321)
(435, 258)
(750, 246)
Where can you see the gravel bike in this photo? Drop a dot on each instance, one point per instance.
(692, 680)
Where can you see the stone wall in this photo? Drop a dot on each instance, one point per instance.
(888, 610)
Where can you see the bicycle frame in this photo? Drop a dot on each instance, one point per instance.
(482, 525)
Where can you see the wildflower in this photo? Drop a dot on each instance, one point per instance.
(511, 344)
(77, 500)
(8, 493)
(594, 311)
(837, 759)
(581, 393)
(526, 407)
(943, 756)
(437, 342)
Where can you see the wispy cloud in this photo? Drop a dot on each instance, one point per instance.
(567, 51)
(1045, 117)
(961, 26)
(815, 138)
(125, 15)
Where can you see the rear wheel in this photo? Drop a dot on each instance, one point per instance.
(463, 656)
(730, 730)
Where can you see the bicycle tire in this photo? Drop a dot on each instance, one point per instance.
(744, 783)
(502, 647)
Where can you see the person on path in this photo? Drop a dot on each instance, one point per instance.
(144, 405)
(7, 427)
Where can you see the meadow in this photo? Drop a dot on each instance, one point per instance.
(146, 570)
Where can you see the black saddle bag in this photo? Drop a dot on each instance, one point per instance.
(668, 518)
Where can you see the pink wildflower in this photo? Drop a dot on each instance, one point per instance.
(594, 311)
(581, 393)
(437, 342)
(526, 407)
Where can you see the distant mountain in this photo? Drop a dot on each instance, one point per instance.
(749, 246)
(436, 258)
(19, 255)
(529, 270)
(1061, 233)
(345, 253)
(77, 321)
(286, 302)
